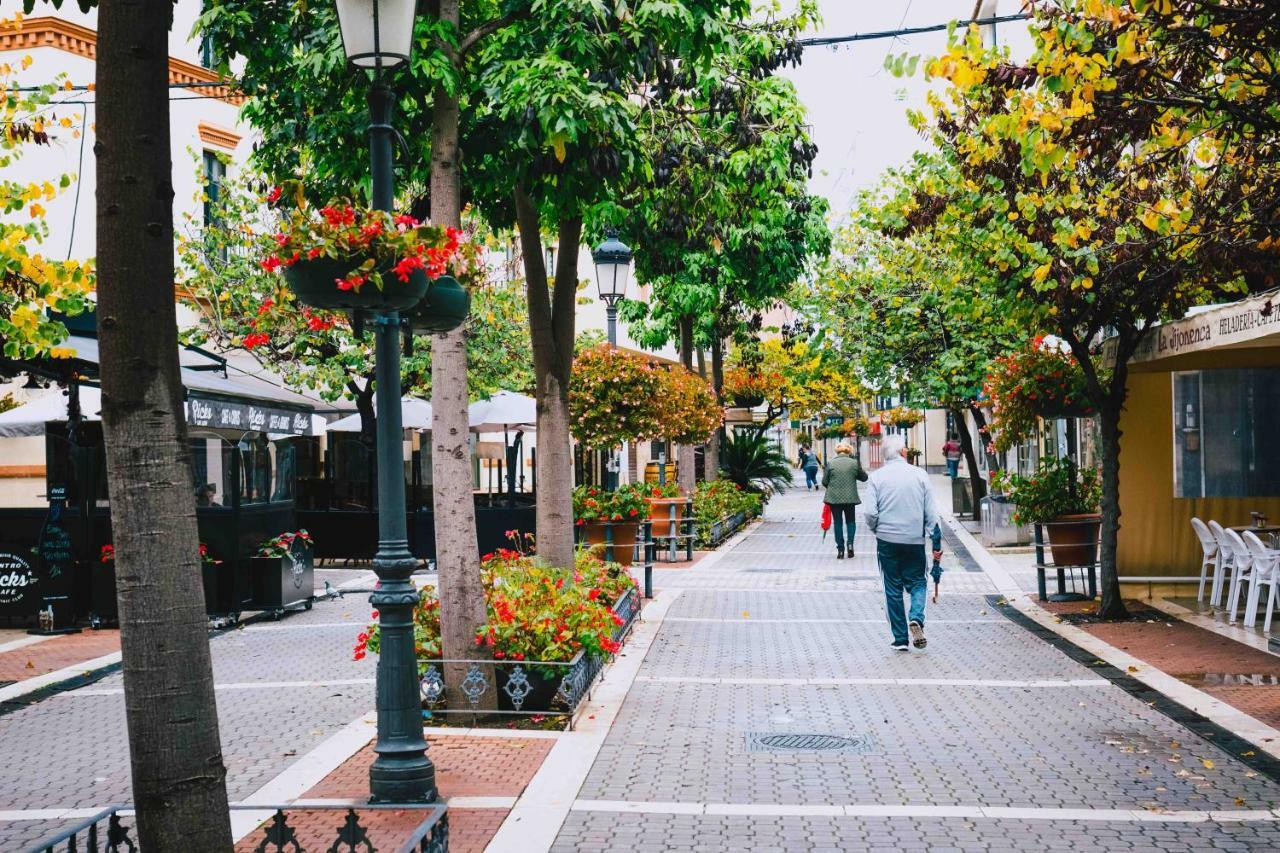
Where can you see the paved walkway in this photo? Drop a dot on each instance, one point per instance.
(989, 739)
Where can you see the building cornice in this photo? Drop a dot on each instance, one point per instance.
(59, 34)
(220, 137)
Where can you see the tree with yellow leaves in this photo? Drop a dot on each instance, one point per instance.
(31, 283)
(1078, 182)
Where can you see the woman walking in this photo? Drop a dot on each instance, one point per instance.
(841, 482)
(809, 464)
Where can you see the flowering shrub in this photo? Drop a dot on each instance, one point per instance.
(670, 490)
(535, 612)
(278, 546)
(1037, 381)
(688, 407)
(617, 396)
(629, 503)
(108, 555)
(753, 387)
(370, 239)
(718, 499)
(613, 397)
(856, 425)
(901, 417)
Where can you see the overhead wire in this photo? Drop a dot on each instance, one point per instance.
(831, 41)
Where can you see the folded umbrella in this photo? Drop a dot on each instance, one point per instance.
(826, 520)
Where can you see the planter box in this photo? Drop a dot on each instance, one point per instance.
(282, 582)
(998, 528)
(619, 539)
(724, 528)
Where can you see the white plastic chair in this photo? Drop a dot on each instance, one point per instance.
(1209, 557)
(1243, 571)
(1266, 567)
(1224, 563)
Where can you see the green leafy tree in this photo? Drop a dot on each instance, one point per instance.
(916, 317)
(1068, 188)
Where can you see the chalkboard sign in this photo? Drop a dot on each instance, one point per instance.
(57, 567)
(19, 584)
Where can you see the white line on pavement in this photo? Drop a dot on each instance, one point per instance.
(858, 682)
(923, 811)
(233, 685)
(31, 685)
(537, 816)
(748, 620)
(23, 642)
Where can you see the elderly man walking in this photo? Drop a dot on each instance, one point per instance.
(899, 509)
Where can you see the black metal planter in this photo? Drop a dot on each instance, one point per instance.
(315, 283)
(281, 583)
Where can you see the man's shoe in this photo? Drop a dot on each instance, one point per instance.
(900, 647)
(917, 635)
(839, 553)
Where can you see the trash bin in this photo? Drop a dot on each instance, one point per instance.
(997, 523)
(961, 496)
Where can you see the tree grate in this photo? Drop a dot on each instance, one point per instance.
(800, 742)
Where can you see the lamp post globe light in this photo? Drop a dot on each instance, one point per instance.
(378, 34)
(613, 269)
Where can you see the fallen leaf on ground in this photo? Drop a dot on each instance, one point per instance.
(1208, 764)
(1239, 801)
(30, 665)
(1249, 753)
(1133, 669)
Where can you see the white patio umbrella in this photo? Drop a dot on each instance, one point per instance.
(502, 411)
(416, 414)
(30, 418)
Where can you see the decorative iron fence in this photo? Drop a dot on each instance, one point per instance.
(722, 529)
(519, 688)
(105, 832)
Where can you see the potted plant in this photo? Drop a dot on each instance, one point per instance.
(1064, 498)
(913, 455)
(666, 508)
(613, 397)
(901, 417)
(341, 256)
(687, 407)
(611, 518)
(282, 572)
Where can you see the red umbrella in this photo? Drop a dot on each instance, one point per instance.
(826, 520)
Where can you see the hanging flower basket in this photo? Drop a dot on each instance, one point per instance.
(344, 257)
(313, 283)
(444, 309)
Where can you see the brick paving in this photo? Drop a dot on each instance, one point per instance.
(465, 767)
(56, 653)
(70, 750)
(777, 636)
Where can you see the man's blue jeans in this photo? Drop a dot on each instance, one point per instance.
(811, 476)
(903, 569)
(953, 468)
(843, 520)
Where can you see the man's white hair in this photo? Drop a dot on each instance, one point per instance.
(892, 445)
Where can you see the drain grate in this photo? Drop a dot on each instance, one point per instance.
(763, 571)
(800, 742)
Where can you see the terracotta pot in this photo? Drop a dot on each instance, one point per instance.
(1073, 539)
(624, 540)
(660, 515)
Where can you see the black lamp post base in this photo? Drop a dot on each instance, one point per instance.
(392, 780)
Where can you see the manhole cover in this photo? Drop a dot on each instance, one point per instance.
(867, 581)
(798, 742)
(761, 571)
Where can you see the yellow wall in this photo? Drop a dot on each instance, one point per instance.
(1156, 539)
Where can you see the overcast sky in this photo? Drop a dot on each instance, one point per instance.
(858, 109)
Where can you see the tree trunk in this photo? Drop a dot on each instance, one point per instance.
(179, 780)
(977, 485)
(984, 438)
(717, 383)
(686, 454)
(1112, 604)
(462, 604)
(551, 325)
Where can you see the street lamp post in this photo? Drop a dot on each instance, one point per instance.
(377, 34)
(613, 267)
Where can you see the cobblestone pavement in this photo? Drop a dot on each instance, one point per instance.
(282, 688)
(990, 739)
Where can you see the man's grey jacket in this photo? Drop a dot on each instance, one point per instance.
(898, 505)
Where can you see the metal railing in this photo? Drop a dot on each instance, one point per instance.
(104, 832)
